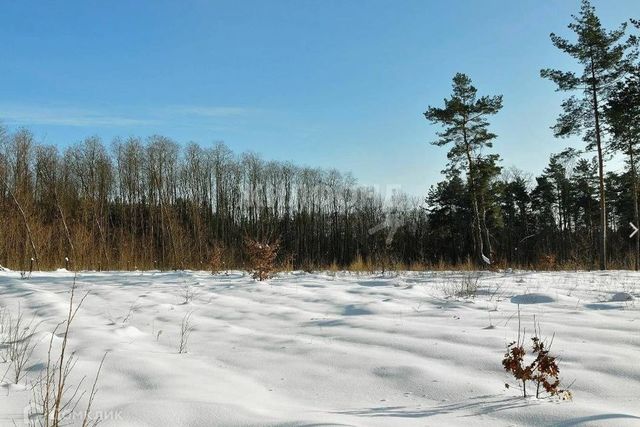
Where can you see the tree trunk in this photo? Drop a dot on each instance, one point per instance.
(603, 204)
(477, 231)
(634, 183)
(66, 227)
(26, 224)
(486, 229)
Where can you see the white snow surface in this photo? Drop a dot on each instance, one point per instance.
(335, 349)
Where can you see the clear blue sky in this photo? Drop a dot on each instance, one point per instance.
(331, 83)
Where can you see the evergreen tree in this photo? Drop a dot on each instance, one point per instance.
(514, 208)
(464, 118)
(449, 215)
(543, 199)
(602, 54)
(623, 117)
(557, 174)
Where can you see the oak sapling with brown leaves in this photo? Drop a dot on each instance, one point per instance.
(542, 371)
(262, 257)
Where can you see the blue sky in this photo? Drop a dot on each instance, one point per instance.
(330, 83)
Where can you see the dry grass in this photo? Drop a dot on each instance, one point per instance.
(55, 398)
(186, 327)
(360, 265)
(16, 342)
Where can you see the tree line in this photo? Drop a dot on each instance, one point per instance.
(153, 203)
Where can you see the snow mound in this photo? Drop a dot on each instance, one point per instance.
(128, 332)
(532, 299)
(621, 296)
(48, 337)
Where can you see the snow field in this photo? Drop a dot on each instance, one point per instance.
(336, 348)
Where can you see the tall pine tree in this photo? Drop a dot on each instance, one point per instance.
(464, 118)
(623, 116)
(602, 55)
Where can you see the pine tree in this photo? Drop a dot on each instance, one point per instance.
(464, 118)
(602, 54)
(586, 209)
(514, 208)
(556, 172)
(449, 215)
(622, 113)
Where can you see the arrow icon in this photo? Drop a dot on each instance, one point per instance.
(635, 230)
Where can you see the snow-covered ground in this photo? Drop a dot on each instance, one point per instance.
(335, 349)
